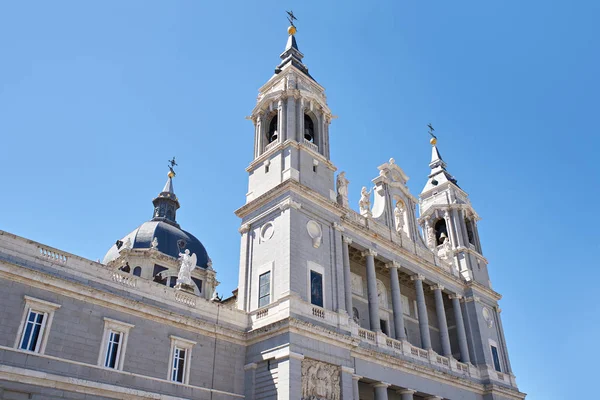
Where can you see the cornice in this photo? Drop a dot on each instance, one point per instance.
(480, 289)
(281, 146)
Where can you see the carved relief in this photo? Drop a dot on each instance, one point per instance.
(320, 381)
(315, 233)
(382, 294)
(357, 284)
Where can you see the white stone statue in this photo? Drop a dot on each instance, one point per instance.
(187, 265)
(399, 218)
(154, 244)
(365, 202)
(128, 244)
(342, 189)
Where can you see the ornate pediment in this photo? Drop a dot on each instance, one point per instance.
(320, 381)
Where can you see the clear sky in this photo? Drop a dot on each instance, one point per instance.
(95, 97)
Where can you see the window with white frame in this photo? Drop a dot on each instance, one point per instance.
(35, 325)
(264, 289)
(114, 344)
(316, 293)
(181, 356)
(495, 355)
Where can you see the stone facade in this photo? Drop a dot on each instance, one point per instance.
(331, 304)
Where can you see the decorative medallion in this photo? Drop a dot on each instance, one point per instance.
(315, 232)
(320, 381)
(487, 316)
(267, 231)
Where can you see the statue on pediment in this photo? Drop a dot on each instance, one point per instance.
(187, 263)
(342, 189)
(365, 202)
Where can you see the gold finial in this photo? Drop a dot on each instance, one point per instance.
(433, 139)
(292, 27)
(171, 174)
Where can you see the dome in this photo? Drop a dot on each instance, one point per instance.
(171, 241)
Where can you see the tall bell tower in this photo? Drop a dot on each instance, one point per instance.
(449, 221)
(291, 129)
(289, 219)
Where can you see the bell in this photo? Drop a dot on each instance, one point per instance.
(273, 137)
(443, 237)
(308, 135)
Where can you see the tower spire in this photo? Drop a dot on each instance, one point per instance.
(439, 174)
(166, 203)
(291, 54)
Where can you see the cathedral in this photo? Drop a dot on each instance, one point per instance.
(331, 304)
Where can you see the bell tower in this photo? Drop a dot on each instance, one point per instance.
(291, 129)
(449, 222)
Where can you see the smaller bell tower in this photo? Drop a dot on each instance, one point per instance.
(449, 221)
(291, 129)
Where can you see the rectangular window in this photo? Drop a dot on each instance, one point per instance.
(35, 326)
(114, 344)
(264, 289)
(113, 349)
(178, 372)
(181, 356)
(316, 288)
(34, 331)
(496, 358)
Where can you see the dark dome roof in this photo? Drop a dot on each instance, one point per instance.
(169, 237)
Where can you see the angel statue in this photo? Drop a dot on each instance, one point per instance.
(187, 265)
(399, 217)
(365, 202)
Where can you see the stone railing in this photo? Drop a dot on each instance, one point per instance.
(311, 145)
(366, 335)
(271, 145)
(356, 217)
(52, 255)
(318, 312)
(187, 299)
(405, 349)
(124, 279)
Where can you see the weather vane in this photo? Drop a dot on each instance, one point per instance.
(431, 130)
(172, 164)
(291, 18)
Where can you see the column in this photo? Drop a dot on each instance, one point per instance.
(460, 329)
(372, 291)
(459, 230)
(406, 394)
(346, 242)
(289, 375)
(249, 379)
(397, 301)
(347, 383)
(291, 118)
(355, 379)
(450, 229)
(280, 121)
(504, 347)
(476, 235)
(441, 316)
(422, 311)
(381, 390)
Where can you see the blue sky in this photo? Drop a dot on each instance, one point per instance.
(96, 96)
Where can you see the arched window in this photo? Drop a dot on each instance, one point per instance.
(470, 235)
(309, 129)
(272, 134)
(137, 271)
(441, 232)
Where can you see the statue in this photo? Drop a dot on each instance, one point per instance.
(342, 189)
(399, 217)
(128, 243)
(154, 244)
(445, 250)
(187, 265)
(365, 203)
